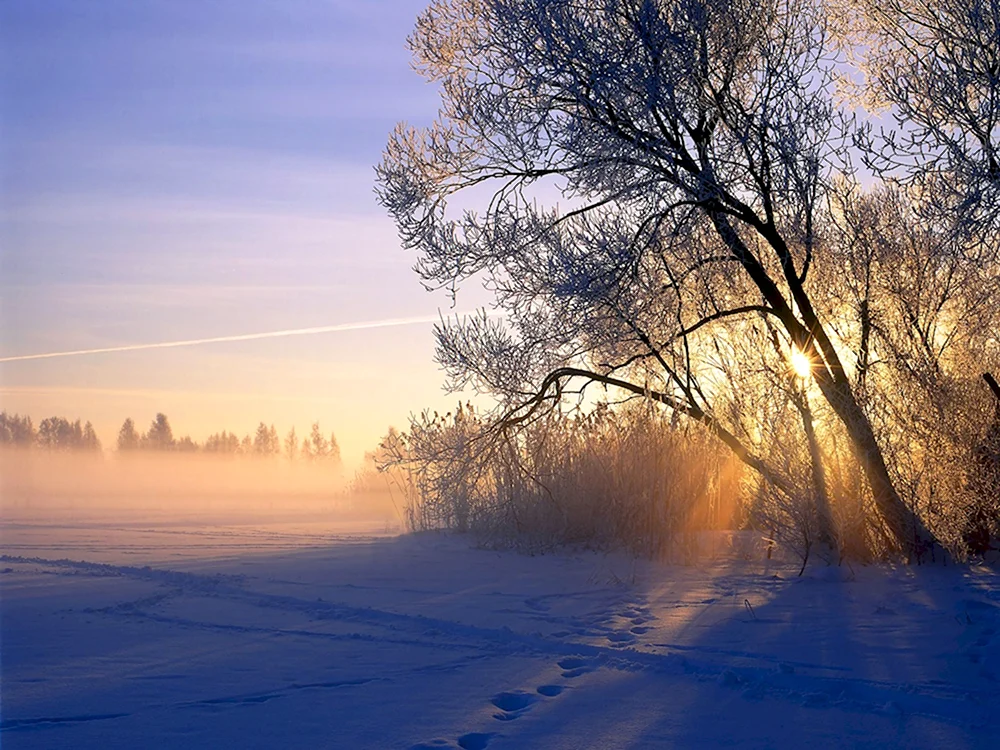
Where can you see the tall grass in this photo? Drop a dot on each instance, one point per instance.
(608, 479)
(629, 478)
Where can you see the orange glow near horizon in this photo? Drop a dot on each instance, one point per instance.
(286, 378)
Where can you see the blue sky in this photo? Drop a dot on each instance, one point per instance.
(178, 170)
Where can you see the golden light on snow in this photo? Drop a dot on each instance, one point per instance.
(801, 363)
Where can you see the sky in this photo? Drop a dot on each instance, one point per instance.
(173, 170)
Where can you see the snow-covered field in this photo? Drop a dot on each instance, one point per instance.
(171, 634)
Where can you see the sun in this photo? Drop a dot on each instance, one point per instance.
(801, 363)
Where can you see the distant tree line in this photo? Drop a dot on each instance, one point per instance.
(59, 433)
(56, 433)
(264, 443)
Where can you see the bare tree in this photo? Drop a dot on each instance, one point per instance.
(693, 144)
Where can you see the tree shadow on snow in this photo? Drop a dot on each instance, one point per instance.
(863, 657)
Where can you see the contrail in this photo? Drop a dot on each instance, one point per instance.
(390, 323)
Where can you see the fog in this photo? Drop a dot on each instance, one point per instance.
(173, 505)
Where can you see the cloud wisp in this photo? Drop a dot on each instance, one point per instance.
(388, 323)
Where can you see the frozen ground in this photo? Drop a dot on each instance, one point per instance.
(263, 635)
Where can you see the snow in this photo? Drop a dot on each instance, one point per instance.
(299, 633)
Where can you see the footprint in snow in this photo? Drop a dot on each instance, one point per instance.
(574, 666)
(621, 639)
(470, 741)
(475, 740)
(636, 609)
(640, 630)
(512, 703)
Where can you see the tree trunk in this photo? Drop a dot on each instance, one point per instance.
(908, 532)
(823, 513)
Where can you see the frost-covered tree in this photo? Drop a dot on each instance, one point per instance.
(657, 174)
(935, 66)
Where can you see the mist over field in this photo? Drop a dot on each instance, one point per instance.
(147, 504)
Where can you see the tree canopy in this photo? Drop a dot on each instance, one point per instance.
(661, 196)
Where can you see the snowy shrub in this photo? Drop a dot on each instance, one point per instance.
(605, 479)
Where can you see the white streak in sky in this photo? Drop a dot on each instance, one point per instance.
(390, 323)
